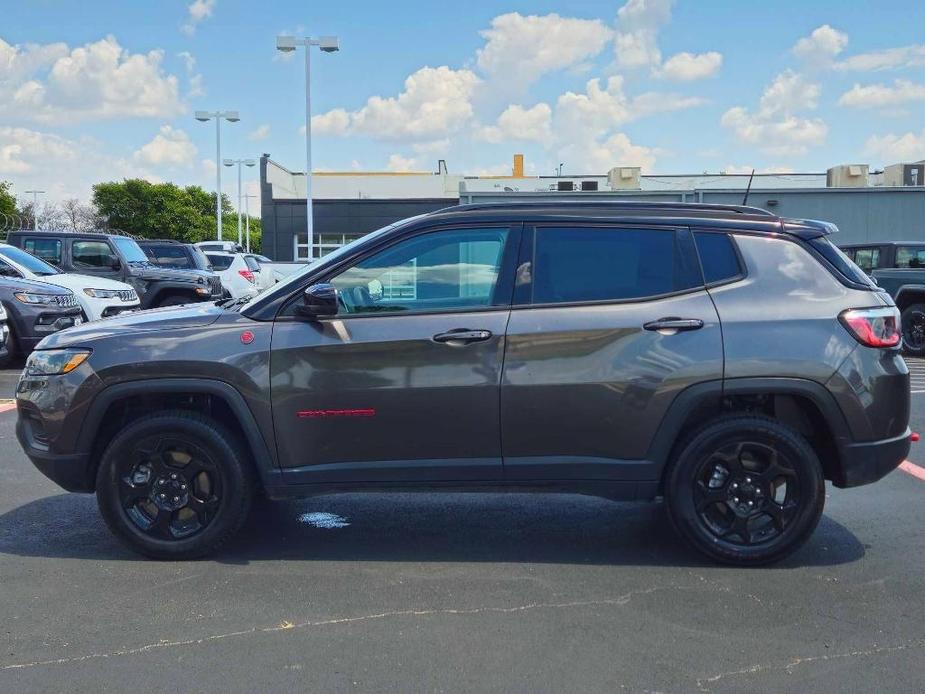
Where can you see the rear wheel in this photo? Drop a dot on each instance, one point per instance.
(745, 490)
(174, 486)
(913, 324)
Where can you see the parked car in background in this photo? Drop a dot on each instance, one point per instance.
(174, 254)
(240, 273)
(266, 278)
(723, 358)
(220, 246)
(99, 297)
(119, 258)
(34, 310)
(4, 333)
(898, 267)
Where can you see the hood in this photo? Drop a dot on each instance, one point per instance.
(152, 320)
(20, 285)
(153, 272)
(80, 282)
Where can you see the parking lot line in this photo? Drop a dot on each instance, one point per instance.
(913, 469)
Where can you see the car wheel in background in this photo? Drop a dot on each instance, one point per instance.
(12, 348)
(913, 325)
(745, 490)
(175, 300)
(174, 485)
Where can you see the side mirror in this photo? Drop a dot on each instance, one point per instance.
(116, 264)
(318, 301)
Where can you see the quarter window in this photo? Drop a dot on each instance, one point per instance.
(48, 250)
(94, 254)
(606, 263)
(717, 257)
(441, 270)
(909, 256)
(169, 256)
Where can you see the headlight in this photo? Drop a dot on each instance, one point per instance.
(51, 362)
(30, 298)
(102, 293)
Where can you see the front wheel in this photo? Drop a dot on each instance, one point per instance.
(745, 490)
(175, 300)
(173, 485)
(913, 325)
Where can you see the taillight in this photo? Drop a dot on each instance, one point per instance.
(247, 274)
(873, 327)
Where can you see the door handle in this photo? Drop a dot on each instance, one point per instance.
(674, 324)
(462, 335)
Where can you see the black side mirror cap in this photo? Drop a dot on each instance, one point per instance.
(116, 264)
(318, 301)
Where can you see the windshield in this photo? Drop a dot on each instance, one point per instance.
(130, 250)
(27, 260)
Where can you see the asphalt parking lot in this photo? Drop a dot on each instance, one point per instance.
(459, 593)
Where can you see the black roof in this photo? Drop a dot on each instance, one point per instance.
(739, 217)
(70, 232)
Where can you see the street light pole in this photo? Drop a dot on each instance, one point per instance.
(231, 117)
(232, 162)
(328, 44)
(247, 218)
(35, 207)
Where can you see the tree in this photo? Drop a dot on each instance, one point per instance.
(162, 210)
(9, 215)
(78, 216)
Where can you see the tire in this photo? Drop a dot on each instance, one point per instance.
(175, 300)
(12, 347)
(913, 325)
(175, 513)
(758, 512)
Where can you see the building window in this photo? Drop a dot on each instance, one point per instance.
(324, 244)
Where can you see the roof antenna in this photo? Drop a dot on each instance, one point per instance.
(749, 188)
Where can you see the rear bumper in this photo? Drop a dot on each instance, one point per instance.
(863, 463)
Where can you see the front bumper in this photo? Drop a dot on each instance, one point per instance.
(864, 463)
(71, 472)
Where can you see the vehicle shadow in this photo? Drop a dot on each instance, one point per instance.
(529, 528)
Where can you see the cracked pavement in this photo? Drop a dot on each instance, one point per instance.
(501, 592)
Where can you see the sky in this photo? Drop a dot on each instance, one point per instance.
(103, 89)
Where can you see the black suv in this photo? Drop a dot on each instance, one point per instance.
(899, 268)
(174, 254)
(119, 258)
(722, 357)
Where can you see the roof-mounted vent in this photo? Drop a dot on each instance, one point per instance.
(624, 178)
(847, 176)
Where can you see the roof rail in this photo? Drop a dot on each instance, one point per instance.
(615, 204)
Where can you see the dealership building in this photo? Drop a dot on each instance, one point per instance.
(866, 205)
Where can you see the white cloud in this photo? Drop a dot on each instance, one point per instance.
(887, 59)
(594, 156)
(398, 163)
(638, 24)
(435, 102)
(519, 123)
(687, 67)
(520, 49)
(194, 79)
(170, 147)
(54, 84)
(891, 149)
(883, 95)
(775, 127)
(735, 169)
(821, 46)
(197, 11)
(261, 132)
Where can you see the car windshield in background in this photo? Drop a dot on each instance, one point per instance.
(220, 262)
(28, 261)
(130, 250)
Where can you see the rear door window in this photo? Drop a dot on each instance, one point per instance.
(92, 254)
(866, 258)
(220, 262)
(909, 257)
(576, 264)
(169, 256)
(718, 257)
(48, 250)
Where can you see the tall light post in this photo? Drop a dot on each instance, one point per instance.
(35, 207)
(232, 162)
(328, 44)
(231, 117)
(247, 218)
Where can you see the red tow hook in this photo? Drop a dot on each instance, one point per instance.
(914, 437)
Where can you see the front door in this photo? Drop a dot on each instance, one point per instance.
(95, 257)
(403, 384)
(609, 324)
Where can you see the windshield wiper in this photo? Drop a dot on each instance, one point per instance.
(233, 303)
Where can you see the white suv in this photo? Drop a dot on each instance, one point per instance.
(99, 297)
(239, 272)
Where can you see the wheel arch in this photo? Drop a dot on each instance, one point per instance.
(909, 294)
(118, 405)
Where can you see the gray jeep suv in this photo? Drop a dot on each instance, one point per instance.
(723, 358)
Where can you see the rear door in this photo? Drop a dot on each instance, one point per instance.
(609, 324)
